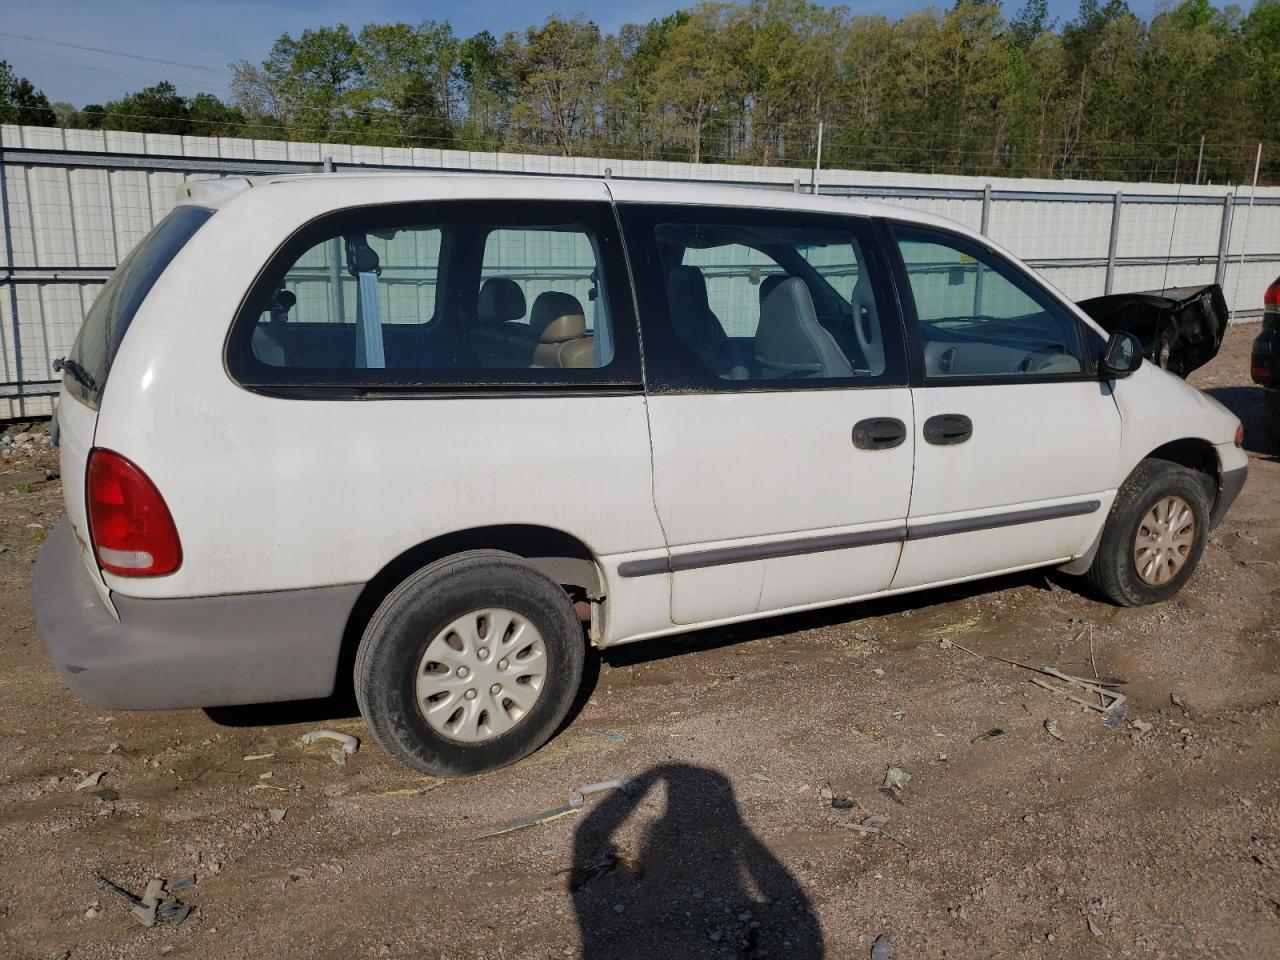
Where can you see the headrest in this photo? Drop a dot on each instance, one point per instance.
(501, 300)
(570, 326)
(578, 354)
(557, 317)
(687, 290)
(770, 284)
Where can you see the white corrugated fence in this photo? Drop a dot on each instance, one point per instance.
(75, 201)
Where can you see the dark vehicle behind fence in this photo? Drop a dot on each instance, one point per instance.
(1264, 365)
(1180, 328)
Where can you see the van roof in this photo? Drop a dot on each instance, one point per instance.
(357, 187)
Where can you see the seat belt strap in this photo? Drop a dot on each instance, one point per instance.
(362, 263)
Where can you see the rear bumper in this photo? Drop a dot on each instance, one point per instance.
(193, 652)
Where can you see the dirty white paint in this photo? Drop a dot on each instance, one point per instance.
(276, 494)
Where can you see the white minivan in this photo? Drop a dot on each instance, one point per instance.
(435, 434)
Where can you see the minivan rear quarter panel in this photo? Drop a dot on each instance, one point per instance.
(272, 493)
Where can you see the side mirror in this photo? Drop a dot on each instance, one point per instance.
(1123, 354)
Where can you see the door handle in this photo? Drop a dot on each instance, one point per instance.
(879, 433)
(948, 429)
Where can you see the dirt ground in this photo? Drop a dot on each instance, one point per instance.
(755, 749)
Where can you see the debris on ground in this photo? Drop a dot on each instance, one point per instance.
(828, 793)
(882, 949)
(1093, 927)
(896, 778)
(1114, 703)
(1051, 727)
(92, 780)
(995, 733)
(1110, 702)
(258, 756)
(153, 905)
(607, 734)
(1177, 702)
(181, 884)
(1142, 726)
(277, 814)
(349, 743)
(576, 800)
(874, 824)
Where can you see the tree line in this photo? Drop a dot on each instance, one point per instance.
(1106, 95)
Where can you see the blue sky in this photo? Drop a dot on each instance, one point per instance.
(204, 35)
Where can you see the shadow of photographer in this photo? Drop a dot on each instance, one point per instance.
(698, 883)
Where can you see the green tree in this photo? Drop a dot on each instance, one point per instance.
(156, 109)
(20, 102)
(557, 71)
(692, 77)
(210, 117)
(407, 85)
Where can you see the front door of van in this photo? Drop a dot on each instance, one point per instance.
(1016, 438)
(779, 410)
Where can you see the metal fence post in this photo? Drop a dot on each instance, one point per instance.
(986, 209)
(1114, 243)
(1224, 238)
(337, 300)
(13, 287)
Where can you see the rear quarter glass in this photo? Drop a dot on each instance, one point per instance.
(112, 312)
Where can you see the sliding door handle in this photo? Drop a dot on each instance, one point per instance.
(948, 429)
(879, 433)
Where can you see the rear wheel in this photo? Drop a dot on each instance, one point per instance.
(470, 664)
(1155, 535)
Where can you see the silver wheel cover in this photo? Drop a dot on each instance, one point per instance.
(481, 675)
(1164, 540)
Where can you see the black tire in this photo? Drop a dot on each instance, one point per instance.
(1114, 572)
(421, 607)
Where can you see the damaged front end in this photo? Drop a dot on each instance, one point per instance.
(1180, 328)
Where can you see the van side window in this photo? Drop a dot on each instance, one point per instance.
(452, 292)
(553, 274)
(765, 298)
(313, 318)
(979, 316)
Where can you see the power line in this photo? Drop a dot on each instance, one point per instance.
(222, 87)
(114, 53)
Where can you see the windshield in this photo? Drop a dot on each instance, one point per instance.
(112, 312)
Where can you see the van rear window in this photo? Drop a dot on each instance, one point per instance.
(109, 318)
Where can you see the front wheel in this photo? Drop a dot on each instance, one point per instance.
(471, 664)
(1154, 536)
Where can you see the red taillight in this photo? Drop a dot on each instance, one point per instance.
(132, 532)
(1272, 298)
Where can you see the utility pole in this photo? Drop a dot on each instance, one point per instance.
(1244, 241)
(817, 162)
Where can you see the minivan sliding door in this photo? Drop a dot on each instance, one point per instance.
(779, 409)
